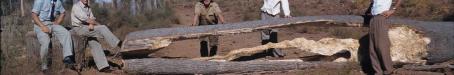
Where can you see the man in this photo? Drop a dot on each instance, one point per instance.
(47, 16)
(208, 12)
(379, 46)
(84, 24)
(270, 10)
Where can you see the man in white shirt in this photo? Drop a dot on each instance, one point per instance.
(84, 24)
(270, 10)
(379, 48)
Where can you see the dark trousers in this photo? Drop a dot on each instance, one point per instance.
(268, 36)
(209, 44)
(379, 45)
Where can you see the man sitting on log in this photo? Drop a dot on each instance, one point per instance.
(47, 16)
(208, 12)
(84, 24)
(270, 10)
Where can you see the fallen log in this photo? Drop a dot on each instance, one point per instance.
(147, 41)
(172, 66)
(439, 48)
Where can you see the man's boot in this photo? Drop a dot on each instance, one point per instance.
(204, 49)
(213, 50)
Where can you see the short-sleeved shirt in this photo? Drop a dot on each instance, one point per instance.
(273, 7)
(380, 6)
(207, 15)
(43, 9)
(80, 14)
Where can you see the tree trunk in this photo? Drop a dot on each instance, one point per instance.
(155, 4)
(22, 8)
(55, 52)
(169, 66)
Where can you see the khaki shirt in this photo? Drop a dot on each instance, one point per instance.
(207, 15)
(80, 14)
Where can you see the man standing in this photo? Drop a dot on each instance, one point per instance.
(47, 15)
(84, 24)
(270, 10)
(207, 12)
(379, 48)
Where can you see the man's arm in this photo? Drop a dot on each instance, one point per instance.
(197, 11)
(37, 20)
(60, 19)
(221, 18)
(195, 19)
(92, 19)
(397, 5)
(218, 13)
(39, 23)
(393, 9)
(61, 10)
(286, 8)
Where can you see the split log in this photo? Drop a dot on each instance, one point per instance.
(407, 46)
(440, 48)
(330, 47)
(171, 66)
(147, 41)
(55, 52)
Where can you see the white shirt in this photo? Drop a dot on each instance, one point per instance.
(80, 14)
(273, 7)
(380, 6)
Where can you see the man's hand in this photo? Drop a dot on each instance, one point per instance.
(55, 23)
(91, 27)
(45, 29)
(92, 21)
(388, 13)
(92, 24)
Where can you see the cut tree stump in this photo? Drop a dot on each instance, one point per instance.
(55, 52)
(172, 66)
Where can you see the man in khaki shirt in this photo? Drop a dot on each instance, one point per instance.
(208, 12)
(85, 25)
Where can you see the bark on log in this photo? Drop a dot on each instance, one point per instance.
(55, 52)
(427, 67)
(410, 72)
(440, 49)
(169, 66)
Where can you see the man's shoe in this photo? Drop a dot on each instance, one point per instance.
(107, 69)
(44, 68)
(278, 53)
(45, 71)
(68, 61)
